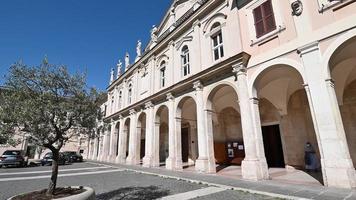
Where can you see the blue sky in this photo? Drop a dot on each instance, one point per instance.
(86, 35)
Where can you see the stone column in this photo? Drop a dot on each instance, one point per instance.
(170, 79)
(149, 145)
(113, 142)
(121, 157)
(100, 149)
(90, 148)
(133, 157)
(156, 144)
(202, 163)
(95, 150)
(252, 167)
(38, 152)
(337, 166)
(106, 146)
(173, 161)
(210, 140)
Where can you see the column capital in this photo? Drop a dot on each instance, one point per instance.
(171, 43)
(196, 23)
(121, 117)
(170, 96)
(112, 122)
(314, 46)
(239, 69)
(149, 105)
(255, 100)
(132, 112)
(330, 83)
(198, 86)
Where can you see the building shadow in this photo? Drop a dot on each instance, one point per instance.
(134, 193)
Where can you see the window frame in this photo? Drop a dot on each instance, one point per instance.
(162, 74)
(264, 19)
(129, 93)
(185, 56)
(219, 47)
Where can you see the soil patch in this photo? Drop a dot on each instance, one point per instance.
(59, 193)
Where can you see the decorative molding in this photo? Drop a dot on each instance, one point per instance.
(198, 86)
(330, 83)
(149, 105)
(255, 100)
(314, 46)
(169, 96)
(132, 112)
(182, 41)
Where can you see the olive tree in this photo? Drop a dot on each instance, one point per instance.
(50, 105)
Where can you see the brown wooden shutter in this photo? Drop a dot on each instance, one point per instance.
(264, 19)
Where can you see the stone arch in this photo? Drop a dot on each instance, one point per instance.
(281, 61)
(141, 133)
(326, 57)
(126, 132)
(218, 17)
(186, 129)
(162, 58)
(161, 135)
(211, 90)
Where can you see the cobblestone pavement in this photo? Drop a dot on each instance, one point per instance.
(113, 182)
(274, 188)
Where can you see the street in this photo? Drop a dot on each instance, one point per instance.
(112, 183)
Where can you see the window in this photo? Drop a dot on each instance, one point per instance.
(129, 95)
(264, 19)
(120, 99)
(217, 40)
(112, 103)
(185, 61)
(162, 72)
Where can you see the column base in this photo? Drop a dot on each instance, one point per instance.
(170, 164)
(120, 160)
(205, 165)
(147, 161)
(339, 176)
(132, 161)
(254, 170)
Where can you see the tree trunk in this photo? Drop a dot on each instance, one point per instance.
(53, 183)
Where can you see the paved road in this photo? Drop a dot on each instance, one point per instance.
(112, 183)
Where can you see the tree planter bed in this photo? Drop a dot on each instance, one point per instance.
(70, 193)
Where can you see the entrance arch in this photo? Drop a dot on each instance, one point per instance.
(186, 129)
(342, 70)
(286, 122)
(161, 132)
(127, 134)
(141, 135)
(223, 118)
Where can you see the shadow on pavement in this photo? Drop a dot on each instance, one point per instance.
(134, 193)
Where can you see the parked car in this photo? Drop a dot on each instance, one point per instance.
(13, 158)
(74, 156)
(48, 159)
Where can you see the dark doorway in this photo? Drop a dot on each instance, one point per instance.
(142, 149)
(185, 144)
(273, 146)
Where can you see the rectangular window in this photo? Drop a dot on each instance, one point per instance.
(185, 63)
(218, 47)
(264, 19)
(163, 76)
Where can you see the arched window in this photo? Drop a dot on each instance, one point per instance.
(217, 41)
(112, 103)
(129, 94)
(162, 74)
(120, 99)
(185, 61)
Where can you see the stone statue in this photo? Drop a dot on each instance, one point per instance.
(127, 61)
(138, 49)
(154, 33)
(119, 66)
(112, 75)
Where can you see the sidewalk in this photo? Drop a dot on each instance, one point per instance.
(268, 187)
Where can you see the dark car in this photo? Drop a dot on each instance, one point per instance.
(74, 156)
(48, 159)
(13, 158)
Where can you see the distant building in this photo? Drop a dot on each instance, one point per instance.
(245, 82)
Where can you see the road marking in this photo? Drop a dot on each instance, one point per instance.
(49, 171)
(194, 194)
(60, 175)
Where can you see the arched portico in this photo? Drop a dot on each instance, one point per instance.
(286, 121)
(342, 70)
(186, 132)
(224, 124)
(141, 135)
(161, 136)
